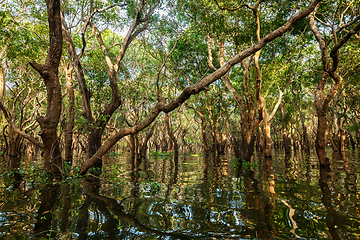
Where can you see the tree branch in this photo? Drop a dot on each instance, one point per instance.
(13, 125)
(196, 88)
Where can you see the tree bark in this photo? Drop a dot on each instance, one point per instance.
(49, 73)
(69, 125)
(306, 145)
(171, 135)
(144, 145)
(352, 142)
(285, 137)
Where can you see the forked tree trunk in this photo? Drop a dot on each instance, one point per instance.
(49, 73)
(97, 126)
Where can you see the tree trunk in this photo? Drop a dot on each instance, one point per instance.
(267, 136)
(203, 135)
(69, 125)
(321, 140)
(352, 142)
(172, 136)
(164, 143)
(49, 73)
(94, 143)
(285, 137)
(14, 155)
(329, 70)
(144, 145)
(306, 145)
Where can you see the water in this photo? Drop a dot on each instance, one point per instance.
(196, 197)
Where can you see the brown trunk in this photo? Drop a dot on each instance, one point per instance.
(333, 139)
(203, 135)
(267, 137)
(14, 150)
(49, 73)
(321, 139)
(69, 125)
(245, 149)
(342, 138)
(285, 137)
(134, 146)
(2, 83)
(94, 143)
(352, 142)
(306, 145)
(164, 143)
(171, 135)
(144, 145)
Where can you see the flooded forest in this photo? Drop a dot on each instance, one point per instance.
(179, 119)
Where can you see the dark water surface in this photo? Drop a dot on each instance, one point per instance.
(196, 197)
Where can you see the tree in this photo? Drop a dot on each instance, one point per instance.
(162, 106)
(330, 50)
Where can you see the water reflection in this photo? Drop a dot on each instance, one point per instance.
(49, 197)
(192, 197)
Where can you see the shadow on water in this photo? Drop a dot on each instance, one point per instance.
(192, 197)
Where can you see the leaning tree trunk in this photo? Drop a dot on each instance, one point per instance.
(49, 73)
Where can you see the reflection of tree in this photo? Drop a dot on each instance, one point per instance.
(332, 216)
(14, 164)
(49, 198)
(173, 179)
(260, 199)
(66, 208)
(290, 198)
(110, 208)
